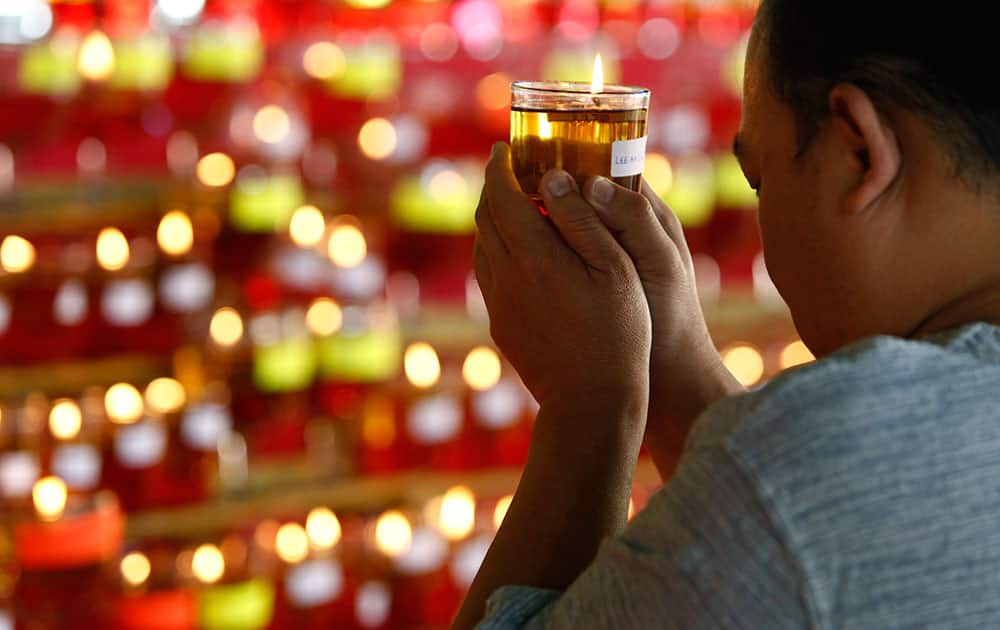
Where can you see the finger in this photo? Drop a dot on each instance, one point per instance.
(631, 216)
(481, 266)
(487, 236)
(515, 216)
(577, 221)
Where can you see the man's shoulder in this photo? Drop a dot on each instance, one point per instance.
(885, 378)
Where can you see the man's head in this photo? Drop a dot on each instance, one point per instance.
(872, 130)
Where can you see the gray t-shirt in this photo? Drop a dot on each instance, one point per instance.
(862, 491)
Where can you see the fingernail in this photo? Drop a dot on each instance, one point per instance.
(495, 150)
(601, 190)
(559, 184)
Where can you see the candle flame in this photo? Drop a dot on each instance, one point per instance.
(597, 78)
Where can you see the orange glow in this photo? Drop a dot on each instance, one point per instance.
(493, 91)
(49, 495)
(112, 249)
(17, 254)
(481, 369)
(208, 564)
(393, 533)
(271, 124)
(795, 353)
(500, 511)
(292, 543)
(745, 362)
(96, 60)
(324, 60)
(377, 138)
(65, 419)
(175, 234)
(216, 170)
(421, 365)
(323, 528)
(123, 403)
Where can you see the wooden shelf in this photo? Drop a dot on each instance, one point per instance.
(368, 494)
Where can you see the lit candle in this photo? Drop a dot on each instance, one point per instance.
(585, 129)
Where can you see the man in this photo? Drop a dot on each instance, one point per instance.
(862, 491)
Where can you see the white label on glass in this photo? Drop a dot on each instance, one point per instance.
(628, 157)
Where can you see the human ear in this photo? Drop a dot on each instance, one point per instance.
(872, 146)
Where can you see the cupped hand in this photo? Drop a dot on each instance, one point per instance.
(686, 372)
(566, 305)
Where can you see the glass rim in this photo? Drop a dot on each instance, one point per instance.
(577, 88)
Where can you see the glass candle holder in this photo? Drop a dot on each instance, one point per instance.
(570, 126)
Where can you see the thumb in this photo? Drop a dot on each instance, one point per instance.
(635, 224)
(578, 223)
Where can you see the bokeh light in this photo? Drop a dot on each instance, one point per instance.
(112, 249)
(180, 11)
(421, 365)
(208, 564)
(377, 138)
(26, 21)
(96, 60)
(91, 156)
(658, 173)
(266, 533)
(324, 317)
(481, 369)
(347, 246)
(493, 91)
(65, 419)
(271, 124)
(324, 60)
(447, 184)
(438, 42)
(393, 533)
(323, 528)
(306, 227)
(226, 327)
(49, 495)
(500, 511)
(17, 254)
(123, 403)
(216, 170)
(745, 362)
(291, 543)
(458, 513)
(135, 568)
(795, 354)
(165, 395)
(175, 234)
(368, 4)
(373, 604)
(658, 38)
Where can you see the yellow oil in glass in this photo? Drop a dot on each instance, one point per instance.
(579, 142)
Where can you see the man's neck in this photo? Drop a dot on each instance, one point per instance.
(980, 305)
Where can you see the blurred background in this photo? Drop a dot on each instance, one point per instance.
(246, 379)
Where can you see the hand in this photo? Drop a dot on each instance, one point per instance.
(686, 372)
(566, 304)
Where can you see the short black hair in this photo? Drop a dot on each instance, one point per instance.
(937, 60)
